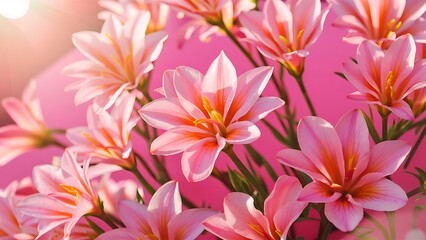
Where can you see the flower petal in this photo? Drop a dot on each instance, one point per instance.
(218, 226)
(120, 233)
(242, 133)
(318, 192)
(220, 83)
(188, 224)
(198, 160)
(319, 141)
(135, 216)
(262, 108)
(387, 156)
(343, 214)
(353, 133)
(379, 195)
(244, 218)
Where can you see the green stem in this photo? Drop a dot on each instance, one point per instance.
(378, 225)
(145, 165)
(142, 180)
(58, 143)
(247, 174)
(302, 87)
(415, 147)
(414, 192)
(385, 118)
(325, 230)
(391, 221)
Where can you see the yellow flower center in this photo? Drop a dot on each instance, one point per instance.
(215, 117)
(72, 190)
(257, 228)
(389, 89)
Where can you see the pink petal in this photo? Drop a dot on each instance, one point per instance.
(188, 224)
(353, 133)
(401, 109)
(287, 215)
(414, 81)
(187, 82)
(168, 84)
(296, 159)
(343, 214)
(165, 204)
(120, 233)
(399, 59)
(177, 140)
(244, 218)
(370, 57)
(135, 216)
(165, 113)
(218, 226)
(249, 87)
(262, 108)
(48, 178)
(22, 114)
(286, 191)
(379, 195)
(387, 156)
(243, 132)
(220, 83)
(198, 160)
(319, 192)
(319, 141)
(354, 75)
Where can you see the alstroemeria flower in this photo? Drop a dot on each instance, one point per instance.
(80, 231)
(112, 192)
(65, 195)
(380, 20)
(163, 218)
(229, 13)
(29, 132)
(241, 220)
(126, 9)
(119, 57)
(348, 175)
(285, 30)
(202, 114)
(417, 101)
(12, 224)
(385, 78)
(107, 137)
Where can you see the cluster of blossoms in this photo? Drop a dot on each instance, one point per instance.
(334, 174)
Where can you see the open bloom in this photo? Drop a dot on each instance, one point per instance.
(126, 9)
(12, 224)
(380, 20)
(163, 218)
(204, 113)
(285, 30)
(229, 14)
(107, 137)
(29, 132)
(348, 175)
(385, 78)
(241, 220)
(119, 57)
(65, 195)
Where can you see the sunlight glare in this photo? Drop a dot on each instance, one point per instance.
(14, 9)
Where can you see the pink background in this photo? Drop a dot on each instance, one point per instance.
(327, 91)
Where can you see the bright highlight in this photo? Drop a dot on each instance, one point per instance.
(14, 9)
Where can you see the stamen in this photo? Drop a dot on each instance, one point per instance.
(389, 90)
(72, 190)
(256, 228)
(215, 115)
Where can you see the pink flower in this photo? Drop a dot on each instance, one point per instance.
(107, 137)
(241, 220)
(417, 101)
(112, 192)
(65, 195)
(126, 9)
(202, 114)
(29, 132)
(229, 15)
(386, 78)
(163, 218)
(380, 20)
(285, 30)
(12, 224)
(119, 57)
(209, 10)
(348, 175)
(80, 231)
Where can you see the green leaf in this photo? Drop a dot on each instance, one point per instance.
(371, 128)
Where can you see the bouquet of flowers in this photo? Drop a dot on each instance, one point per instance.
(271, 171)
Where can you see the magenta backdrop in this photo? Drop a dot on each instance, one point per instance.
(327, 91)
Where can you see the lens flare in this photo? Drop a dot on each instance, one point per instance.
(14, 9)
